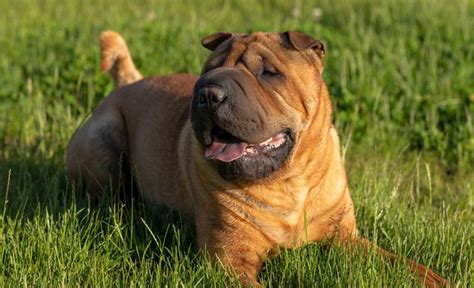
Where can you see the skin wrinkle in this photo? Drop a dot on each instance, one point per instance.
(327, 210)
(295, 87)
(294, 110)
(245, 218)
(268, 50)
(305, 104)
(274, 230)
(238, 53)
(326, 213)
(265, 106)
(251, 61)
(272, 106)
(245, 197)
(318, 111)
(312, 61)
(218, 61)
(260, 122)
(234, 55)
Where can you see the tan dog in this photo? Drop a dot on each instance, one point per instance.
(255, 162)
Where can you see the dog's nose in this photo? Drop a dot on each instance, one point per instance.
(212, 96)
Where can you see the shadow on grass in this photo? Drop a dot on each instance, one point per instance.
(33, 190)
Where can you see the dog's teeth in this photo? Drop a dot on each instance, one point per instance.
(250, 150)
(269, 147)
(266, 141)
(274, 145)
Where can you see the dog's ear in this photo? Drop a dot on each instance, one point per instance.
(302, 41)
(212, 41)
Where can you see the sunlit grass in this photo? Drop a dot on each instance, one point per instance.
(400, 75)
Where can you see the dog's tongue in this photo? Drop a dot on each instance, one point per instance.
(225, 151)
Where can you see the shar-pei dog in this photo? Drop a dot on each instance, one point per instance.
(247, 150)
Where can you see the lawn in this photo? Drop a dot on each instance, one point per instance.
(401, 76)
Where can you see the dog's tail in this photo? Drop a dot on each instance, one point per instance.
(116, 59)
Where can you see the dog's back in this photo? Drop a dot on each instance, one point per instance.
(106, 148)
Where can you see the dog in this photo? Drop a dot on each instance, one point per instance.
(247, 150)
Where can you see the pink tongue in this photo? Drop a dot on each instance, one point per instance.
(225, 152)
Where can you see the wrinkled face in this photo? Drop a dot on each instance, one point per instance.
(255, 95)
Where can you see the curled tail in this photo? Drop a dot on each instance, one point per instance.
(116, 59)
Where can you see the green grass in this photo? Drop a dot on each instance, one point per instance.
(401, 75)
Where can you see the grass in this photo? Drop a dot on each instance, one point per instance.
(401, 77)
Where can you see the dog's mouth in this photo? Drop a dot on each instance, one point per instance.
(234, 131)
(227, 148)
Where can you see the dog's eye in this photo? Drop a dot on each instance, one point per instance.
(269, 70)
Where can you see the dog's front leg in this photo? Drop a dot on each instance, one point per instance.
(237, 245)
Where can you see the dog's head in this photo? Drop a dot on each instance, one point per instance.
(254, 99)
